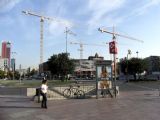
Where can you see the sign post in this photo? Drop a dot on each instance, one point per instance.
(113, 50)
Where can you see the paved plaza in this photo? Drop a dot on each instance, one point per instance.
(133, 103)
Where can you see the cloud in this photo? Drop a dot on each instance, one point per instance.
(6, 5)
(115, 12)
(59, 26)
(7, 20)
(99, 9)
(145, 7)
(55, 29)
(58, 8)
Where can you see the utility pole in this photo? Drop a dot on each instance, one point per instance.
(67, 31)
(41, 40)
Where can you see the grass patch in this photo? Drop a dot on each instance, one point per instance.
(32, 83)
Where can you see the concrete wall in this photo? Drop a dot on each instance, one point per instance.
(17, 91)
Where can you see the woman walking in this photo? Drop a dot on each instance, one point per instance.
(44, 88)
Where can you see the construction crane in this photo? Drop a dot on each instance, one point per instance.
(42, 19)
(114, 34)
(81, 47)
(120, 35)
(68, 31)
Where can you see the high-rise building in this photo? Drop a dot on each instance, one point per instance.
(13, 64)
(3, 64)
(6, 51)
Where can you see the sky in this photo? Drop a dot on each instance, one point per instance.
(134, 18)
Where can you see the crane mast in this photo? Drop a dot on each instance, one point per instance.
(67, 31)
(42, 19)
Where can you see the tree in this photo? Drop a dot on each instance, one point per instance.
(133, 66)
(33, 72)
(123, 65)
(2, 74)
(60, 65)
(16, 75)
(153, 64)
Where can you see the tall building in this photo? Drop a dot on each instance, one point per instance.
(4, 64)
(13, 64)
(6, 51)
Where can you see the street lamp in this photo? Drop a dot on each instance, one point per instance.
(129, 53)
(137, 54)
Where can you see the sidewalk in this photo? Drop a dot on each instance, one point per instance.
(134, 105)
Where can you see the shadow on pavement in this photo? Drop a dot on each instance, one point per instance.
(13, 97)
(19, 101)
(19, 107)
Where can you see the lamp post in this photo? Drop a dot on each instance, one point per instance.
(129, 53)
(137, 54)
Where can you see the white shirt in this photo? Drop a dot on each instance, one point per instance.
(44, 88)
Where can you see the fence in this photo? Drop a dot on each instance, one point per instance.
(57, 91)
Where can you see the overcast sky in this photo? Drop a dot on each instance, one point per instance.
(135, 18)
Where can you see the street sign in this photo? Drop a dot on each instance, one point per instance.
(113, 47)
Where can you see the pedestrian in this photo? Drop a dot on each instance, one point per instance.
(44, 88)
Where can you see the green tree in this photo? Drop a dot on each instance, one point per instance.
(133, 66)
(16, 75)
(60, 65)
(2, 74)
(33, 72)
(153, 64)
